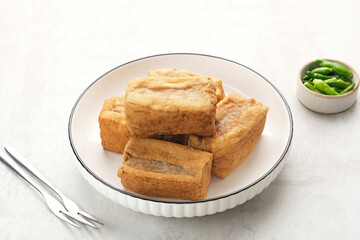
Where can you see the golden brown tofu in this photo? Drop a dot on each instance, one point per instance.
(170, 106)
(239, 124)
(163, 169)
(173, 72)
(113, 130)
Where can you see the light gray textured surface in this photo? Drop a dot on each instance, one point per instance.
(52, 50)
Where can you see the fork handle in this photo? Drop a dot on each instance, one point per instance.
(26, 164)
(17, 169)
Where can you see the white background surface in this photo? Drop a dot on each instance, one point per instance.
(50, 51)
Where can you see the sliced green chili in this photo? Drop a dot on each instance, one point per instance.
(311, 87)
(322, 70)
(333, 82)
(324, 87)
(318, 76)
(306, 77)
(348, 89)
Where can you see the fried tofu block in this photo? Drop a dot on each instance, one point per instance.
(170, 106)
(113, 130)
(163, 169)
(239, 124)
(173, 72)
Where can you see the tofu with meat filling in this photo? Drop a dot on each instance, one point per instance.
(163, 169)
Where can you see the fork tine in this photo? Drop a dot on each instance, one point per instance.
(79, 218)
(73, 208)
(63, 217)
(50, 201)
(84, 214)
(69, 209)
(58, 209)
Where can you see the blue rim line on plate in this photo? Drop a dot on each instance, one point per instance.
(182, 202)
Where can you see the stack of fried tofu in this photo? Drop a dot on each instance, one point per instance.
(176, 128)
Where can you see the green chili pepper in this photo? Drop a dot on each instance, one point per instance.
(342, 78)
(348, 89)
(311, 87)
(306, 77)
(318, 76)
(324, 87)
(305, 81)
(336, 67)
(308, 80)
(322, 70)
(333, 82)
(338, 89)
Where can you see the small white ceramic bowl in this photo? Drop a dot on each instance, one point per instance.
(326, 103)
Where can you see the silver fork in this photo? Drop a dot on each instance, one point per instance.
(69, 212)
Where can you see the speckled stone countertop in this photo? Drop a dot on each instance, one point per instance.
(52, 50)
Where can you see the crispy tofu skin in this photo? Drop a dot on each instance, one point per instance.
(173, 72)
(113, 130)
(163, 169)
(239, 124)
(170, 106)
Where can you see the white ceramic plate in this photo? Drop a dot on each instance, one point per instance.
(99, 167)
